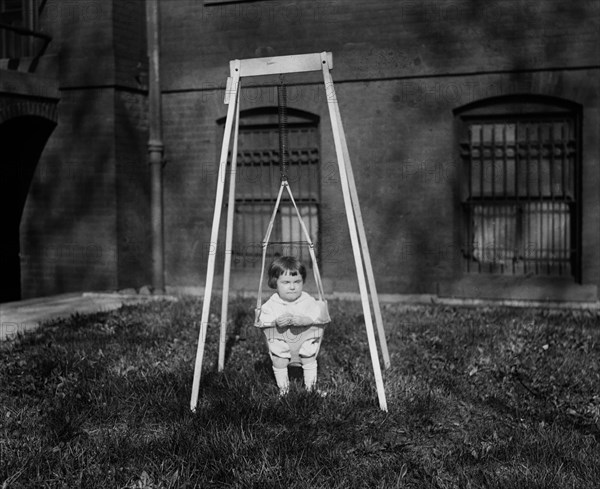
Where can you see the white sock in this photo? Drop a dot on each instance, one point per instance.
(310, 375)
(281, 377)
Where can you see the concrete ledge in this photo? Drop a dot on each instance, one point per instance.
(27, 315)
(28, 85)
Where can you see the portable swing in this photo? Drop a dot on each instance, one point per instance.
(366, 281)
(296, 334)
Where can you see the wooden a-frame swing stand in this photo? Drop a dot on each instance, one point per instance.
(278, 66)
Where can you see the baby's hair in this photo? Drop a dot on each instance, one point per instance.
(282, 265)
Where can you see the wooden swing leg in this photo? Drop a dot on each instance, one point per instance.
(210, 268)
(338, 130)
(229, 239)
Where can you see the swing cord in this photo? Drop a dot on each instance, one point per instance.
(283, 131)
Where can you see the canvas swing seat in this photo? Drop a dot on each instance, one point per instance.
(302, 340)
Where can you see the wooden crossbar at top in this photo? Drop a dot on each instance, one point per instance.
(280, 64)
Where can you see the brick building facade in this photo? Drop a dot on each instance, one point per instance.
(85, 222)
(473, 132)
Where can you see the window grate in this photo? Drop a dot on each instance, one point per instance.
(18, 25)
(258, 181)
(520, 196)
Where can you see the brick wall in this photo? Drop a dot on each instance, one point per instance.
(134, 243)
(129, 31)
(68, 228)
(86, 220)
(400, 70)
(190, 182)
(82, 40)
(381, 39)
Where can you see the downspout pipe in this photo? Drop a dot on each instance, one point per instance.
(155, 145)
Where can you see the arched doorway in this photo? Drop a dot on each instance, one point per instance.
(22, 140)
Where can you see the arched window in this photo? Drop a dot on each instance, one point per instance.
(258, 179)
(520, 186)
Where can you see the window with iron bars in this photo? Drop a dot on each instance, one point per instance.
(257, 185)
(520, 194)
(16, 17)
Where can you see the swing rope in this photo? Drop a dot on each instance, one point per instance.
(311, 246)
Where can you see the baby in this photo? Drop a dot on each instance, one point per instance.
(292, 322)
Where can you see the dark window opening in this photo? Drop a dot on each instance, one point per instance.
(257, 185)
(520, 194)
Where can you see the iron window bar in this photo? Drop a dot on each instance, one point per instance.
(21, 52)
(521, 227)
(258, 166)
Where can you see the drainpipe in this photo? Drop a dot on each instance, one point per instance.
(155, 146)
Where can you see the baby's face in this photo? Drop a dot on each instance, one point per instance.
(289, 287)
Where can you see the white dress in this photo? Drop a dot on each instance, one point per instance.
(294, 342)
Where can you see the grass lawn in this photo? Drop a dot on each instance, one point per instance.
(490, 398)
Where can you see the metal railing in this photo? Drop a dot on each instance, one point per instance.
(19, 42)
(520, 196)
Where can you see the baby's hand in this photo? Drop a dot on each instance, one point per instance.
(302, 321)
(284, 320)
